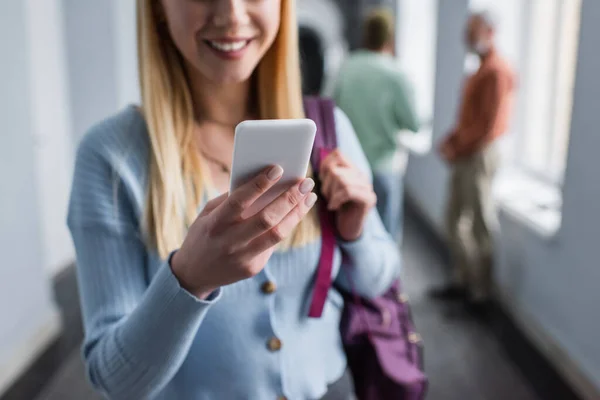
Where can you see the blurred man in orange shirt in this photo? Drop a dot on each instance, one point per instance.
(471, 151)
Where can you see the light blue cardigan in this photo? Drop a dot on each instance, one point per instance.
(146, 337)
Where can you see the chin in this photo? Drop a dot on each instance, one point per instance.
(228, 67)
(226, 72)
(230, 78)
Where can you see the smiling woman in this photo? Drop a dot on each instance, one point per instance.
(181, 296)
(197, 78)
(208, 32)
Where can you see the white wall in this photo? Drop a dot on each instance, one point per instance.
(101, 59)
(125, 45)
(552, 286)
(72, 63)
(27, 314)
(51, 127)
(83, 67)
(416, 49)
(91, 58)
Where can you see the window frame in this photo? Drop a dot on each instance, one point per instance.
(550, 172)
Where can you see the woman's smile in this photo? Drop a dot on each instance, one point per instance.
(230, 48)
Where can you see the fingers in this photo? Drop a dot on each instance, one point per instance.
(338, 176)
(326, 182)
(329, 174)
(214, 203)
(341, 159)
(243, 197)
(281, 231)
(336, 157)
(274, 213)
(352, 193)
(342, 184)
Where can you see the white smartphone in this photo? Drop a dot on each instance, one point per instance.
(262, 143)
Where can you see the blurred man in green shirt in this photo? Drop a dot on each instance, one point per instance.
(379, 101)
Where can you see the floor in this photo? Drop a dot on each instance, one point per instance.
(465, 359)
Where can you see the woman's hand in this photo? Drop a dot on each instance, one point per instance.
(221, 247)
(348, 192)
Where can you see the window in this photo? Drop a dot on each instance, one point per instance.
(416, 45)
(540, 39)
(566, 62)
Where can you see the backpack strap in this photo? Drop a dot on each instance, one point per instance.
(322, 112)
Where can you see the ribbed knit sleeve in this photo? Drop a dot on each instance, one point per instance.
(138, 331)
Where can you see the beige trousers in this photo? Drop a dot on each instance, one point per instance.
(471, 221)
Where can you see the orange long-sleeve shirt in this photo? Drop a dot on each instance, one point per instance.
(486, 106)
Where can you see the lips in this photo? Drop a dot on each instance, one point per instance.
(228, 46)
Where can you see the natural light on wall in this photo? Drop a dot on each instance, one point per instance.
(416, 41)
(566, 59)
(539, 38)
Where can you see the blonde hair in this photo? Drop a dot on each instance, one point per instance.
(176, 174)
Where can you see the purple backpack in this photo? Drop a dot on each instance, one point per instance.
(384, 352)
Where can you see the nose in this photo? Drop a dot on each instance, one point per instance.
(230, 13)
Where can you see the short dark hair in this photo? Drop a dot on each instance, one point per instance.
(378, 29)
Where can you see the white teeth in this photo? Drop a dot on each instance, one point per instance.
(228, 46)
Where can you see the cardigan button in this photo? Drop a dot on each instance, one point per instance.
(274, 344)
(414, 338)
(402, 298)
(268, 287)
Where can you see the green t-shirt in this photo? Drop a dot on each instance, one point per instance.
(379, 101)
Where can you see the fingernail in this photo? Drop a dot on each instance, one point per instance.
(311, 199)
(275, 173)
(307, 186)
